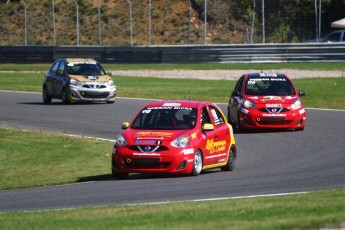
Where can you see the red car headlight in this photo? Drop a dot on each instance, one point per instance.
(120, 140)
(248, 104)
(297, 104)
(181, 141)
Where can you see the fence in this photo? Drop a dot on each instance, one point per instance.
(257, 53)
(165, 22)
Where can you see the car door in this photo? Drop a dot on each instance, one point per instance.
(235, 101)
(50, 79)
(60, 79)
(216, 144)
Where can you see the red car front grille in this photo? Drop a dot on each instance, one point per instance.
(145, 163)
(274, 121)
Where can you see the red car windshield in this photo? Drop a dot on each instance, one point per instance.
(257, 86)
(162, 118)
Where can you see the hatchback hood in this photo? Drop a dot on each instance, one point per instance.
(273, 99)
(161, 135)
(91, 78)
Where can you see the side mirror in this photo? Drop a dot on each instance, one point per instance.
(235, 93)
(207, 127)
(125, 125)
(59, 72)
(109, 74)
(301, 93)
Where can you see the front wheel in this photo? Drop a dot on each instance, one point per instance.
(231, 160)
(46, 98)
(197, 164)
(64, 97)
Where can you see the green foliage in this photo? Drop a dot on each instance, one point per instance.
(285, 21)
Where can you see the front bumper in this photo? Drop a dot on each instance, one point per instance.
(100, 94)
(255, 119)
(179, 161)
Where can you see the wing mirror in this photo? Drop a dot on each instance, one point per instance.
(125, 125)
(235, 93)
(207, 127)
(301, 93)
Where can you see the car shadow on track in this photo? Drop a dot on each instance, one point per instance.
(60, 104)
(141, 176)
(256, 131)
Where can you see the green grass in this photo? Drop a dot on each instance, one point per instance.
(305, 211)
(30, 159)
(320, 92)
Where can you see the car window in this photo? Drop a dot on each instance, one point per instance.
(269, 86)
(55, 67)
(217, 116)
(162, 118)
(62, 67)
(239, 85)
(85, 68)
(205, 116)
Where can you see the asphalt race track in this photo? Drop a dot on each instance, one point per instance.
(272, 162)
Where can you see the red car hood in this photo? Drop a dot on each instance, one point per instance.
(163, 135)
(273, 99)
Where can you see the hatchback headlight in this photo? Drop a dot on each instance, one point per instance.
(248, 104)
(120, 140)
(297, 104)
(181, 141)
(74, 81)
(111, 82)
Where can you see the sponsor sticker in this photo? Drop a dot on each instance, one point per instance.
(274, 105)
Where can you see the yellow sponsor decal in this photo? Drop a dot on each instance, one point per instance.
(215, 146)
(154, 134)
(193, 135)
(275, 98)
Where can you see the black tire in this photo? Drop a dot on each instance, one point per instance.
(231, 160)
(110, 102)
(64, 97)
(120, 176)
(237, 127)
(46, 98)
(197, 164)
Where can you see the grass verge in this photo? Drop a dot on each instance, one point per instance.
(323, 209)
(320, 92)
(29, 159)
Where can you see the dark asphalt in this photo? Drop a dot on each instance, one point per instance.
(268, 162)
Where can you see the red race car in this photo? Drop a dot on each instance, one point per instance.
(266, 100)
(182, 137)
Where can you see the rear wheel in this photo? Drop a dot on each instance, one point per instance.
(231, 160)
(197, 163)
(64, 97)
(46, 98)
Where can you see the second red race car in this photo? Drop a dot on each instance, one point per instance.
(266, 101)
(182, 137)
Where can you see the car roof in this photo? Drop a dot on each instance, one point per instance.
(177, 103)
(80, 60)
(259, 75)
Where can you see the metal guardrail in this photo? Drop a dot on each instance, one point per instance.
(245, 53)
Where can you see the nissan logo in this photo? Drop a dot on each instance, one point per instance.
(147, 148)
